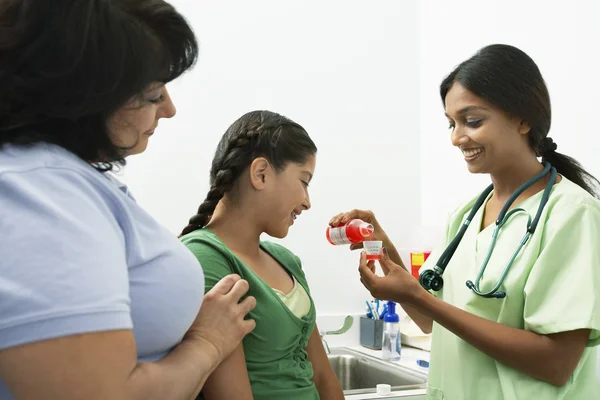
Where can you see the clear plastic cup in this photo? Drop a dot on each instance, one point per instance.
(373, 249)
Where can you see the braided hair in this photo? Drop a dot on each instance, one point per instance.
(508, 78)
(255, 134)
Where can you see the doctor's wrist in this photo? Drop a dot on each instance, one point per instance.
(385, 238)
(392, 252)
(415, 296)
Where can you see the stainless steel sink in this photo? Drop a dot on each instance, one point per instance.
(359, 373)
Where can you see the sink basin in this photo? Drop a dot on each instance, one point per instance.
(359, 373)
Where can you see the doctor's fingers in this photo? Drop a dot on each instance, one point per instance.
(356, 246)
(366, 283)
(335, 220)
(386, 264)
(367, 271)
(365, 215)
(364, 263)
(371, 281)
(371, 266)
(366, 286)
(343, 218)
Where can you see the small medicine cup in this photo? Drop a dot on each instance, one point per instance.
(373, 249)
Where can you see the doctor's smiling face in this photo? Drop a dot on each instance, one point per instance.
(489, 139)
(499, 111)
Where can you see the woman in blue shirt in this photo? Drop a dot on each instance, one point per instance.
(97, 300)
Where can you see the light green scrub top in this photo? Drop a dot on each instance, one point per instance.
(553, 286)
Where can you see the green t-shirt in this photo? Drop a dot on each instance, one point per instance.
(553, 286)
(275, 350)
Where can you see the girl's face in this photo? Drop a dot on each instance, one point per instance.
(282, 196)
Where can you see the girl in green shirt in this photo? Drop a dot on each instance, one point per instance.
(259, 184)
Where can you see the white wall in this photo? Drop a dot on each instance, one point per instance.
(362, 78)
(347, 71)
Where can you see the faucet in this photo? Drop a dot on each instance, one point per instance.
(347, 324)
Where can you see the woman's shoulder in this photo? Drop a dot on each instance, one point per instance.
(53, 177)
(566, 194)
(214, 256)
(206, 245)
(569, 205)
(286, 257)
(17, 158)
(280, 251)
(199, 235)
(55, 168)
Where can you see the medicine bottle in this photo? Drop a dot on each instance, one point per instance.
(353, 232)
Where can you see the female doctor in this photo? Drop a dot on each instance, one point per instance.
(513, 295)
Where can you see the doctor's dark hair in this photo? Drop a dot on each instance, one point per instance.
(255, 134)
(508, 78)
(66, 66)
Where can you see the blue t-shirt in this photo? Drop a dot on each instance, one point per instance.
(79, 255)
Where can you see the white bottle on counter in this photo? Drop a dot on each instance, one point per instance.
(391, 346)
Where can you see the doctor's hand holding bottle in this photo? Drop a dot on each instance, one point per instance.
(366, 216)
(397, 284)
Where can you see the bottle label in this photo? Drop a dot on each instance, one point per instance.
(338, 235)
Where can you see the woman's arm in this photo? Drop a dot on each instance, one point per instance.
(230, 380)
(551, 358)
(104, 365)
(324, 377)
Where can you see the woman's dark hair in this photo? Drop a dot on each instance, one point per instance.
(255, 134)
(67, 65)
(508, 78)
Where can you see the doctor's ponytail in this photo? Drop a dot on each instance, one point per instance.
(566, 166)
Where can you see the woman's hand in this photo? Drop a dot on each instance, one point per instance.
(396, 285)
(365, 215)
(221, 321)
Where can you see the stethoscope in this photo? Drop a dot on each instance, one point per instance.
(432, 279)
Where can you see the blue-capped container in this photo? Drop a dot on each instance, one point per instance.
(391, 346)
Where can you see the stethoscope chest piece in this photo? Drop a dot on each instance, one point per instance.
(431, 280)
